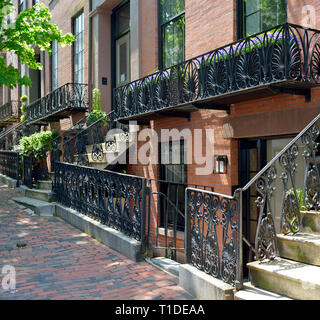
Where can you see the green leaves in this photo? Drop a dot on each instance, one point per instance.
(31, 29)
(39, 143)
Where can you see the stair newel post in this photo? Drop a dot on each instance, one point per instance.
(239, 271)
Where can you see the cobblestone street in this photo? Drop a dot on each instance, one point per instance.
(54, 260)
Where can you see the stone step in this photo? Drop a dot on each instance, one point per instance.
(250, 292)
(301, 247)
(168, 265)
(43, 195)
(286, 277)
(41, 208)
(310, 221)
(44, 185)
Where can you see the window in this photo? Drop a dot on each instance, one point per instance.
(54, 65)
(261, 15)
(34, 2)
(171, 32)
(121, 18)
(78, 49)
(173, 171)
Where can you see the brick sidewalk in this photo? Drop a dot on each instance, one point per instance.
(61, 262)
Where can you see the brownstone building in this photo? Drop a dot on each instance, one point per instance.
(243, 73)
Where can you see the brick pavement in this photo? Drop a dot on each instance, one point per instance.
(60, 262)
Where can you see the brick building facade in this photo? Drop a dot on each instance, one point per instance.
(123, 41)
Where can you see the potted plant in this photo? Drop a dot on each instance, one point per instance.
(37, 145)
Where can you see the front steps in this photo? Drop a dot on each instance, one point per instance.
(296, 272)
(38, 200)
(286, 277)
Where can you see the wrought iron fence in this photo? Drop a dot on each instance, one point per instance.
(93, 142)
(10, 139)
(27, 171)
(9, 164)
(169, 214)
(71, 96)
(285, 53)
(9, 110)
(114, 199)
(213, 238)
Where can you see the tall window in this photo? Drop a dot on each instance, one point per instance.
(260, 15)
(121, 35)
(78, 49)
(171, 32)
(54, 65)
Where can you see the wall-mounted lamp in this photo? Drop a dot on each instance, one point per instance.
(221, 164)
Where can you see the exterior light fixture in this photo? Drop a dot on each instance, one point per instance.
(221, 164)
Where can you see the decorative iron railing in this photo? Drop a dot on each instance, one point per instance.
(10, 139)
(9, 164)
(213, 238)
(169, 212)
(71, 96)
(27, 171)
(296, 186)
(114, 199)
(93, 142)
(287, 54)
(286, 186)
(10, 112)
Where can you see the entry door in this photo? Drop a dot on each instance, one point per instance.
(252, 158)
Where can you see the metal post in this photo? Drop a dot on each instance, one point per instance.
(187, 241)
(239, 277)
(143, 215)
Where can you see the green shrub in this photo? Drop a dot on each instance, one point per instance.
(24, 99)
(23, 108)
(96, 100)
(38, 144)
(94, 116)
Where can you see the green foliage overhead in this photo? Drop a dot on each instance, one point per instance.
(39, 143)
(30, 30)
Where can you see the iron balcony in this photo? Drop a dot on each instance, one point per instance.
(58, 104)
(283, 59)
(10, 113)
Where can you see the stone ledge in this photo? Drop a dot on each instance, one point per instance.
(114, 239)
(11, 183)
(165, 264)
(203, 286)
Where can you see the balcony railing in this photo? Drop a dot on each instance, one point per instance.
(57, 104)
(10, 112)
(285, 59)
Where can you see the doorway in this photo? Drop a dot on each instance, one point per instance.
(252, 158)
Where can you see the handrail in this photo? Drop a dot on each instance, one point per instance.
(286, 148)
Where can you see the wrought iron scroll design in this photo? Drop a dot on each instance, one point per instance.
(73, 96)
(213, 233)
(305, 145)
(114, 199)
(283, 53)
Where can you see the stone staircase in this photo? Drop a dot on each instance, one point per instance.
(296, 273)
(39, 200)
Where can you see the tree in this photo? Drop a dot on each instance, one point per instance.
(32, 29)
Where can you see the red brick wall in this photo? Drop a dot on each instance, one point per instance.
(209, 25)
(304, 12)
